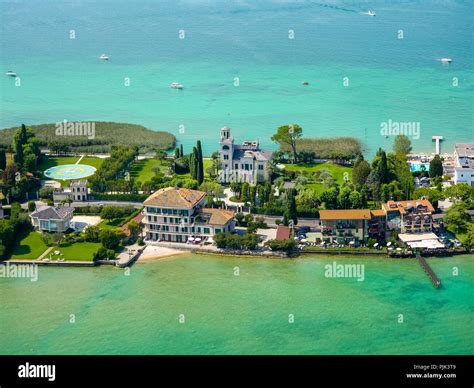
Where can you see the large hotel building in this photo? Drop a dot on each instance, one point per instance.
(178, 215)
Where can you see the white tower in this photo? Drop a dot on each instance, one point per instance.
(227, 149)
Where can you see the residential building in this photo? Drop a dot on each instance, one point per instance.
(76, 192)
(178, 215)
(344, 226)
(409, 216)
(52, 219)
(464, 163)
(244, 162)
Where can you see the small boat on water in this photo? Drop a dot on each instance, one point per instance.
(104, 57)
(176, 85)
(10, 73)
(369, 13)
(445, 60)
(305, 83)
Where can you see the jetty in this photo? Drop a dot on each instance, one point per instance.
(429, 271)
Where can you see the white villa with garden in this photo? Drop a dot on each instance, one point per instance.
(52, 219)
(244, 162)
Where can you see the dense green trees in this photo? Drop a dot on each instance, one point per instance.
(360, 172)
(287, 246)
(234, 241)
(436, 167)
(402, 145)
(111, 175)
(26, 149)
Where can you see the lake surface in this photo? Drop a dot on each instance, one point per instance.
(388, 78)
(246, 314)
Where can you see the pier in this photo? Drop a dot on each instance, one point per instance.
(426, 267)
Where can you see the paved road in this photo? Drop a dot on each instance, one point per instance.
(136, 205)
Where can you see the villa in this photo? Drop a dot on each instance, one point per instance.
(52, 219)
(76, 192)
(178, 215)
(244, 162)
(464, 163)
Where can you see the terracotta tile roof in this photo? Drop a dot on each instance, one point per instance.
(283, 233)
(378, 212)
(218, 216)
(345, 214)
(139, 218)
(401, 206)
(175, 197)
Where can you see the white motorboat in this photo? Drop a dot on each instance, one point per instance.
(176, 85)
(11, 73)
(370, 13)
(446, 60)
(104, 57)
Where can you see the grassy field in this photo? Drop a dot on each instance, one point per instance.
(142, 170)
(337, 172)
(48, 161)
(92, 161)
(53, 161)
(29, 248)
(83, 251)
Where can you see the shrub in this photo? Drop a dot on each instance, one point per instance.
(91, 233)
(282, 245)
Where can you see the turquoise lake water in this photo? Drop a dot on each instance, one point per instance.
(245, 314)
(389, 78)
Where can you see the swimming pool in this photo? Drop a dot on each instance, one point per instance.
(415, 167)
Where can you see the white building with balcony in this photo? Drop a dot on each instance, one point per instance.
(464, 163)
(178, 215)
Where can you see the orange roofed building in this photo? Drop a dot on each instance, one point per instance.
(176, 214)
(343, 226)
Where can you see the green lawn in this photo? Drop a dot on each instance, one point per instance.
(92, 161)
(83, 251)
(142, 170)
(336, 171)
(29, 248)
(48, 161)
(112, 224)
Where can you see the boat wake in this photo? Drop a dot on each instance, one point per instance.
(334, 7)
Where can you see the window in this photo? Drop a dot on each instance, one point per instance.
(226, 157)
(207, 230)
(225, 148)
(236, 166)
(218, 231)
(260, 166)
(246, 167)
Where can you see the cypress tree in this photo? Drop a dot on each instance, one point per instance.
(292, 214)
(194, 164)
(3, 160)
(181, 153)
(176, 153)
(199, 164)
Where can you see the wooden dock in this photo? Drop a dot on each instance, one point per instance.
(426, 267)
